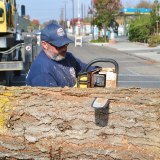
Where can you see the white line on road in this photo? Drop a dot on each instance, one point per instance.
(131, 75)
(139, 81)
(135, 73)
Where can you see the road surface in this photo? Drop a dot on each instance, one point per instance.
(133, 71)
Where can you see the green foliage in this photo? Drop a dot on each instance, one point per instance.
(144, 27)
(105, 11)
(139, 29)
(144, 4)
(100, 40)
(153, 19)
(154, 40)
(87, 19)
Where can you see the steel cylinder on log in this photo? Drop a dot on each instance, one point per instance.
(61, 124)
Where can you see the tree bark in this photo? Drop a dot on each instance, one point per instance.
(60, 124)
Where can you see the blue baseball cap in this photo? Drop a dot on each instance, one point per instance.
(55, 34)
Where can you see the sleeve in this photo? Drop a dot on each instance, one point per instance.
(83, 66)
(44, 80)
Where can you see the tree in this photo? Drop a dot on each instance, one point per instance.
(105, 12)
(34, 25)
(144, 27)
(139, 29)
(59, 123)
(144, 4)
(35, 22)
(49, 22)
(153, 19)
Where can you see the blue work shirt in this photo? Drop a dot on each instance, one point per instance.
(46, 72)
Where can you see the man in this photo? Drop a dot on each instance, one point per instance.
(54, 66)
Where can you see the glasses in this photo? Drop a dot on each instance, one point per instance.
(58, 48)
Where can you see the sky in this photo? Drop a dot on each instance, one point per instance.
(45, 10)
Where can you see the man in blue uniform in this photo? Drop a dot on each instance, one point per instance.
(54, 66)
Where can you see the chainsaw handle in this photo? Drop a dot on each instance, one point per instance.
(103, 60)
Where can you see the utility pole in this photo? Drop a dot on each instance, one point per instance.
(92, 11)
(79, 14)
(157, 21)
(82, 13)
(62, 17)
(73, 15)
(65, 16)
(157, 14)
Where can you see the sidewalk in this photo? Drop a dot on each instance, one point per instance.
(134, 48)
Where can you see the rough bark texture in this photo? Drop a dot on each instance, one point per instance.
(56, 124)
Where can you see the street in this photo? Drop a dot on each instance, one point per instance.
(134, 71)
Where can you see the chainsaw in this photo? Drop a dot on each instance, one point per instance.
(99, 77)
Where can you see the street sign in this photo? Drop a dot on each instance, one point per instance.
(78, 41)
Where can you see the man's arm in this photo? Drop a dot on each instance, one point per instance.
(83, 65)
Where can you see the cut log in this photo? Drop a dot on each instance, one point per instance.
(60, 124)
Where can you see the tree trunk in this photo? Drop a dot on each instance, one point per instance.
(60, 124)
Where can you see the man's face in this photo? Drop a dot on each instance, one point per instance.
(55, 53)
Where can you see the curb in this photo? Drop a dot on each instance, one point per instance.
(99, 44)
